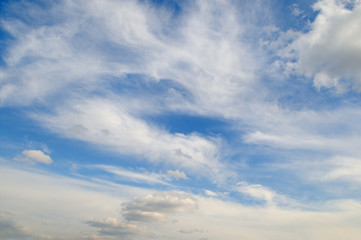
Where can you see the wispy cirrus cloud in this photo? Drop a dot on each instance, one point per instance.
(131, 176)
(208, 82)
(105, 123)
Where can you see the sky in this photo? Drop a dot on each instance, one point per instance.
(185, 120)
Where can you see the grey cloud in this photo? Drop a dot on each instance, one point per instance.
(157, 206)
(177, 174)
(141, 213)
(114, 227)
(191, 231)
(9, 229)
(76, 130)
(179, 153)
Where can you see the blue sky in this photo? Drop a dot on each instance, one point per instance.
(185, 120)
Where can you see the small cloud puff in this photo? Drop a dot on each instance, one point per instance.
(177, 174)
(34, 156)
(296, 11)
(210, 193)
(261, 193)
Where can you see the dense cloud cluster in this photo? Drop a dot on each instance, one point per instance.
(330, 52)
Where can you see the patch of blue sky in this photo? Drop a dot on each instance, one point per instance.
(269, 169)
(350, 5)
(144, 85)
(301, 94)
(15, 130)
(110, 51)
(34, 13)
(187, 124)
(173, 6)
(296, 15)
(5, 37)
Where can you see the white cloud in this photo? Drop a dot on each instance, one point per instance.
(96, 44)
(149, 178)
(236, 221)
(296, 10)
(261, 193)
(330, 51)
(208, 58)
(35, 156)
(286, 141)
(108, 124)
(212, 70)
(333, 131)
(335, 170)
(344, 169)
(210, 193)
(215, 80)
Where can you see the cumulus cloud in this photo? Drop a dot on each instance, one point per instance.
(330, 51)
(141, 216)
(36, 156)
